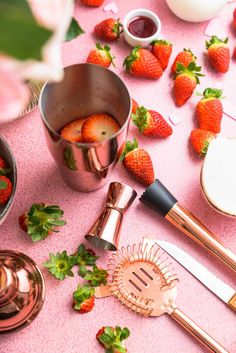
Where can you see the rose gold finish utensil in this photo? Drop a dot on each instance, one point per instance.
(140, 278)
(105, 232)
(163, 202)
(22, 290)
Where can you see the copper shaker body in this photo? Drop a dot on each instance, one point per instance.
(105, 232)
(86, 89)
(163, 202)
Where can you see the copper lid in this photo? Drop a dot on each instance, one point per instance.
(22, 290)
(106, 230)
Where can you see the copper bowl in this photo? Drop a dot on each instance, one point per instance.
(7, 155)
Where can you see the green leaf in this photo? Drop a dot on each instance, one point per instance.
(73, 31)
(3, 185)
(20, 35)
(60, 265)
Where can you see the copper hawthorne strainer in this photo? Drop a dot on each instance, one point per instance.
(139, 276)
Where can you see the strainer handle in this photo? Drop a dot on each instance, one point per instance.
(197, 332)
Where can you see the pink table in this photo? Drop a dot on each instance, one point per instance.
(59, 329)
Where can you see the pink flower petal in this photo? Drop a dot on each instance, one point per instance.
(111, 7)
(14, 95)
(214, 27)
(229, 109)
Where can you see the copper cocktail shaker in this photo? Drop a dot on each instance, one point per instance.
(163, 202)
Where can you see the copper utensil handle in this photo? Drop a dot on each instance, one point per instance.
(197, 332)
(184, 220)
(232, 303)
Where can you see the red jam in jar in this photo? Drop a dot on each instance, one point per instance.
(142, 27)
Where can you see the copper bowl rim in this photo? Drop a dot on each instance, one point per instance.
(13, 177)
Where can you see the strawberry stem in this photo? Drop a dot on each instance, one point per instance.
(216, 40)
(129, 146)
(191, 70)
(212, 93)
(131, 58)
(140, 118)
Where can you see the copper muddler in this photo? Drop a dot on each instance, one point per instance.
(163, 202)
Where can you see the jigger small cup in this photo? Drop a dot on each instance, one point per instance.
(86, 89)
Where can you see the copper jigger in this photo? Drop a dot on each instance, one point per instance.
(22, 290)
(105, 232)
(163, 202)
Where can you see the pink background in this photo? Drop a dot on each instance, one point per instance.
(60, 329)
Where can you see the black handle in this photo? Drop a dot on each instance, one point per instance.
(158, 198)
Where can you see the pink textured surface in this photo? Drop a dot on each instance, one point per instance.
(58, 328)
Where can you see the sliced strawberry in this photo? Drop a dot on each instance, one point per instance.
(99, 127)
(5, 189)
(72, 131)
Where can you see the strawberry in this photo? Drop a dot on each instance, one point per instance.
(3, 167)
(134, 106)
(137, 162)
(2, 163)
(185, 82)
(234, 19)
(5, 189)
(98, 127)
(210, 111)
(162, 50)
(111, 338)
(108, 30)
(83, 298)
(185, 57)
(200, 140)
(142, 63)
(234, 54)
(100, 56)
(219, 54)
(151, 123)
(72, 131)
(93, 3)
(41, 220)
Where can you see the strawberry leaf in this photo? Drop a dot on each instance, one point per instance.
(129, 146)
(60, 265)
(212, 93)
(3, 185)
(42, 219)
(216, 40)
(140, 118)
(84, 257)
(96, 277)
(131, 58)
(82, 294)
(74, 30)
